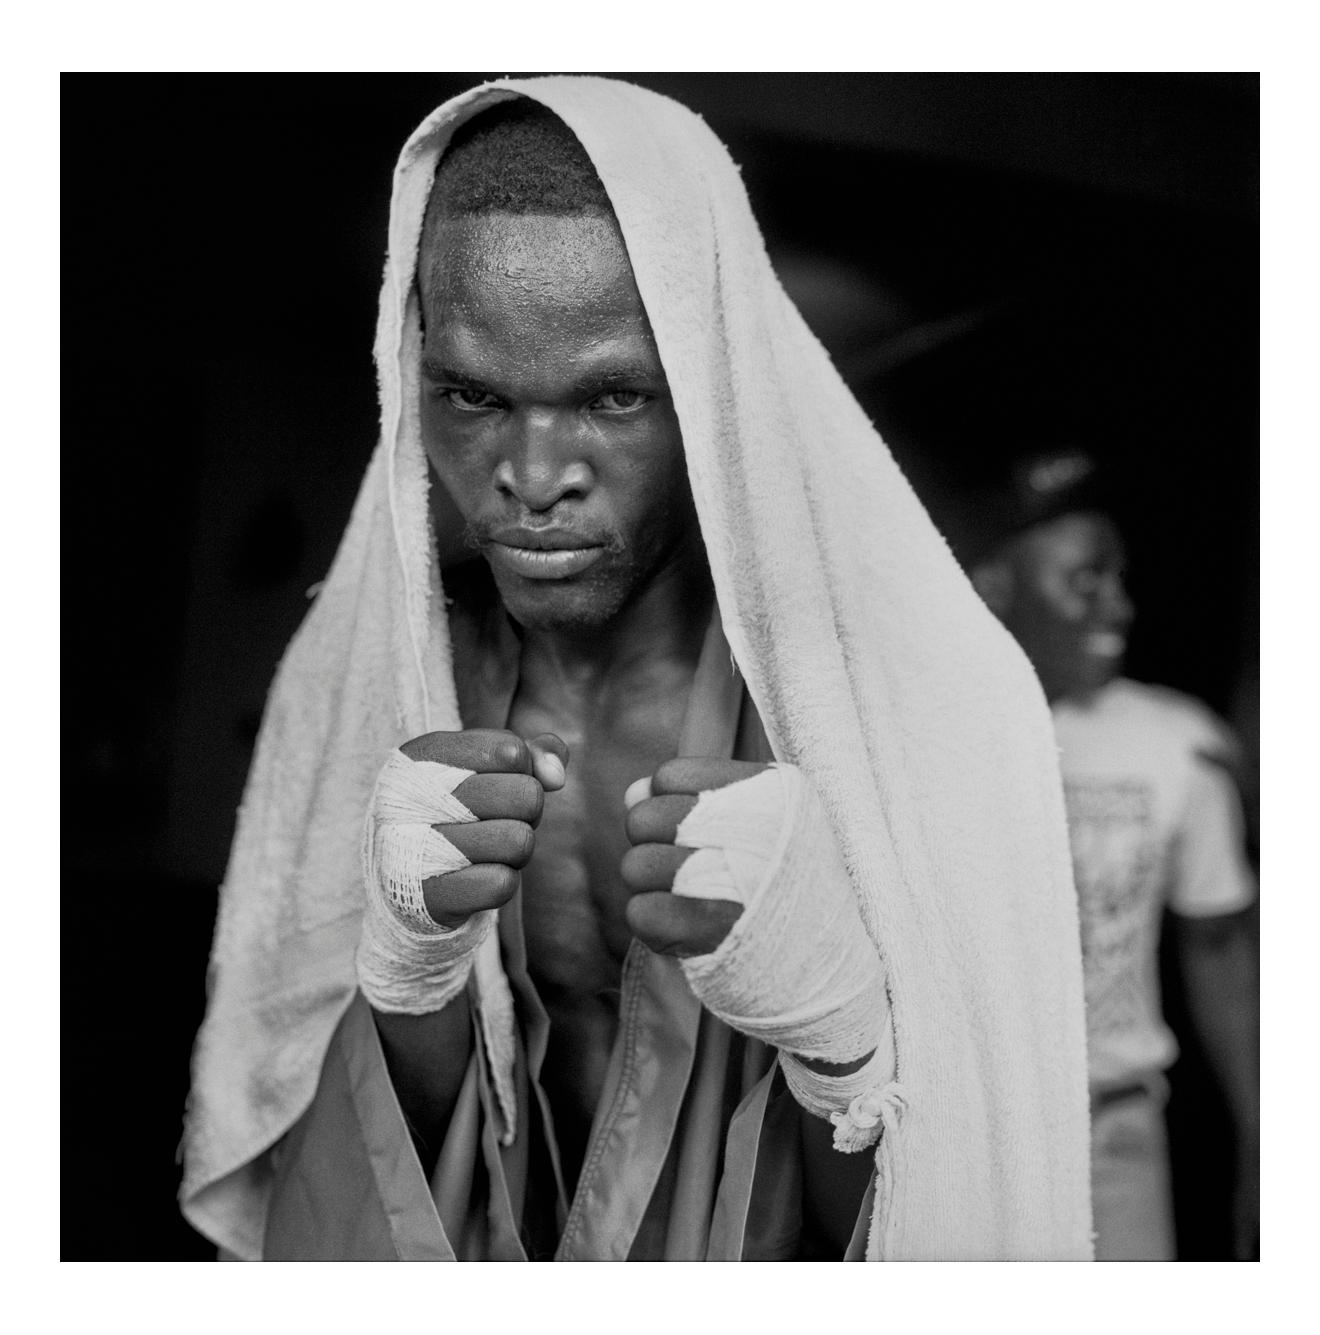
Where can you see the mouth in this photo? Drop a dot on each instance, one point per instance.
(545, 555)
(1106, 644)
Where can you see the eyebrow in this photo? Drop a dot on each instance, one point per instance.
(434, 370)
(622, 375)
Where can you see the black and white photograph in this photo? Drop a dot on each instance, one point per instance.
(667, 666)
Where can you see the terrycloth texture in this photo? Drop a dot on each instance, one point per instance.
(871, 661)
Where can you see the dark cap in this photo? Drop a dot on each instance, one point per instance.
(1028, 492)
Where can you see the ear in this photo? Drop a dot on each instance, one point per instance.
(993, 580)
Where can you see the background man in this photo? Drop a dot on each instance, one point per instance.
(1156, 823)
(604, 983)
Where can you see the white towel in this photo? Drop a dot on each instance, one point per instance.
(872, 662)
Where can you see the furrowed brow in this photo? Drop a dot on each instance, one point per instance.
(627, 375)
(438, 372)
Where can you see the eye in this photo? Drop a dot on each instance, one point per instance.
(470, 400)
(620, 401)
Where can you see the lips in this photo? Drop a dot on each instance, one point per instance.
(541, 553)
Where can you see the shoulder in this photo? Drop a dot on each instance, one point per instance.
(1137, 729)
(1179, 719)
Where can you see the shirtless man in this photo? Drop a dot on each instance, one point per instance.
(601, 981)
(547, 417)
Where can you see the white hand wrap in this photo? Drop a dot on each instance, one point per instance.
(797, 969)
(406, 961)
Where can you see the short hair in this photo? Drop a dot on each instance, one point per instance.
(514, 157)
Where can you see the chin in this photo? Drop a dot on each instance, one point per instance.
(567, 607)
(1101, 671)
(1086, 679)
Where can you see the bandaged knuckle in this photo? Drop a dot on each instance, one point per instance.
(711, 924)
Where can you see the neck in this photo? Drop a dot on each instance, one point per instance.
(1079, 693)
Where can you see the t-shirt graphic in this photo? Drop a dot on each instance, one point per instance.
(1152, 824)
(1116, 865)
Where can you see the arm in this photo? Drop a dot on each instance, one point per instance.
(1213, 934)
(463, 820)
(1218, 959)
(753, 895)
(427, 1057)
(833, 1187)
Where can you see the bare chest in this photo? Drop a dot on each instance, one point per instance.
(573, 894)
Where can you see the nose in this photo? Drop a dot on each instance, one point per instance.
(542, 464)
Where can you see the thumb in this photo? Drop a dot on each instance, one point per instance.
(549, 760)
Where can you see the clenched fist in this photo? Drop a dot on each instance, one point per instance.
(673, 924)
(451, 822)
(506, 795)
(765, 921)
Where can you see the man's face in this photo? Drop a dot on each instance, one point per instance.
(546, 413)
(1069, 609)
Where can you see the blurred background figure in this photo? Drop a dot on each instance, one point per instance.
(1157, 832)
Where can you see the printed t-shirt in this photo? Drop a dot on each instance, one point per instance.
(1154, 821)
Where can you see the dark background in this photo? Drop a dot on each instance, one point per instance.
(996, 263)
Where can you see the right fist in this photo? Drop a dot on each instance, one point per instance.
(505, 794)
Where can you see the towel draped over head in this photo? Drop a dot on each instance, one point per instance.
(874, 667)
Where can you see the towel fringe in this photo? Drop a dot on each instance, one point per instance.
(893, 1103)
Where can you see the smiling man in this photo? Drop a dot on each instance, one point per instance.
(1156, 822)
(686, 924)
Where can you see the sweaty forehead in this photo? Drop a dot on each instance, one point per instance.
(575, 259)
(533, 303)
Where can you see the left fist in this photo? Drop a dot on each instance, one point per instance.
(673, 924)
